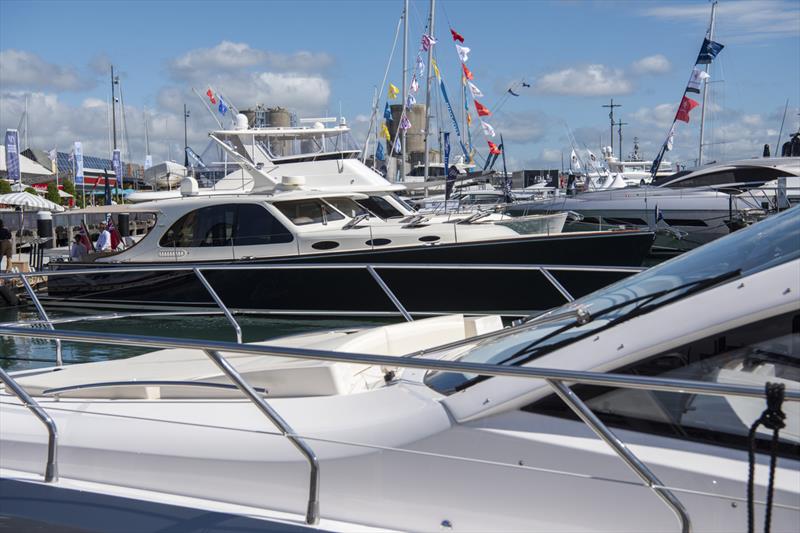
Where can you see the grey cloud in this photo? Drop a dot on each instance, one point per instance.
(25, 70)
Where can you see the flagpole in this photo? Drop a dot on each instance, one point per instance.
(428, 87)
(405, 91)
(705, 88)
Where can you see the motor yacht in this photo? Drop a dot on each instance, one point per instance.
(626, 410)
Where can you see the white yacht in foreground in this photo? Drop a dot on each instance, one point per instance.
(449, 423)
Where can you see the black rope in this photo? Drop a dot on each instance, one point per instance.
(772, 418)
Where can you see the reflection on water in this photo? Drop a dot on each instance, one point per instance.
(19, 353)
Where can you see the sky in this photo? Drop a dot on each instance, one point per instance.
(320, 58)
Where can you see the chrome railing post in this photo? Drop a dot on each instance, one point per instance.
(389, 293)
(312, 511)
(51, 469)
(559, 287)
(569, 397)
(43, 315)
(219, 303)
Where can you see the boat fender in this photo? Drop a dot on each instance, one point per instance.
(8, 298)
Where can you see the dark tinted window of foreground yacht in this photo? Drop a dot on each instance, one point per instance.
(380, 207)
(311, 211)
(766, 244)
(766, 350)
(224, 225)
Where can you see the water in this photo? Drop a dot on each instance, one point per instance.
(19, 353)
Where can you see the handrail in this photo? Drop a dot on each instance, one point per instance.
(219, 303)
(144, 383)
(389, 293)
(51, 468)
(43, 314)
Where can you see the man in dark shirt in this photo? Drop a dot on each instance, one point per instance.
(6, 250)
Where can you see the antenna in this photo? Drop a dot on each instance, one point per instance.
(612, 105)
(619, 131)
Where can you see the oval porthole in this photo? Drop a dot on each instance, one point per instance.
(377, 242)
(325, 245)
(430, 238)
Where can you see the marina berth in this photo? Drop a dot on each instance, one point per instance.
(569, 420)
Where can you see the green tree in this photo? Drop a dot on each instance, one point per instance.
(69, 187)
(30, 190)
(5, 187)
(52, 193)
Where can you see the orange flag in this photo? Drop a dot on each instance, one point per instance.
(483, 111)
(467, 72)
(493, 149)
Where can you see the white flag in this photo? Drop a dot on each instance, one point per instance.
(574, 163)
(463, 53)
(592, 157)
(696, 80)
(670, 138)
(414, 84)
(488, 130)
(476, 93)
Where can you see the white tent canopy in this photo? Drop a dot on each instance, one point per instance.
(30, 201)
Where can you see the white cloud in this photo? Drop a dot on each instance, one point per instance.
(588, 80)
(20, 69)
(519, 127)
(550, 155)
(656, 64)
(660, 116)
(738, 20)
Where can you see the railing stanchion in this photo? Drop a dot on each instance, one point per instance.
(43, 314)
(219, 303)
(559, 287)
(389, 293)
(312, 512)
(51, 469)
(569, 397)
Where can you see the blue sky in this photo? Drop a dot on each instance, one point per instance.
(318, 57)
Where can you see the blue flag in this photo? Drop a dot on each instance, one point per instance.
(12, 155)
(387, 113)
(379, 153)
(708, 52)
(222, 107)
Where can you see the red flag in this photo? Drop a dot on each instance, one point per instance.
(116, 236)
(213, 100)
(457, 36)
(84, 233)
(467, 72)
(210, 94)
(483, 111)
(493, 149)
(687, 104)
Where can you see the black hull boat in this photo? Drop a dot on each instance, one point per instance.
(500, 276)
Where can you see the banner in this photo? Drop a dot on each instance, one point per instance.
(78, 151)
(148, 161)
(12, 155)
(116, 165)
(453, 118)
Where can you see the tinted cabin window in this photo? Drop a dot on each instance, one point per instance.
(240, 224)
(380, 207)
(347, 206)
(312, 211)
(751, 355)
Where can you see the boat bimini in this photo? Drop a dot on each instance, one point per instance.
(448, 423)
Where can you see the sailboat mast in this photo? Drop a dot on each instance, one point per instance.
(113, 108)
(428, 87)
(405, 90)
(705, 88)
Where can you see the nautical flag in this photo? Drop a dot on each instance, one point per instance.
(222, 107)
(52, 154)
(405, 124)
(687, 104)
(574, 162)
(387, 113)
(393, 91)
(463, 53)
(482, 110)
(427, 42)
(456, 36)
(671, 137)
(708, 52)
(476, 93)
(420, 65)
(12, 155)
(512, 93)
(469, 119)
(435, 68)
(379, 154)
(116, 237)
(467, 73)
(592, 157)
(210, 95)
(488, 130)
(410, 101)
(696, 80)
(385, 132)
(397, 148)
(414, 84)
(493, 149)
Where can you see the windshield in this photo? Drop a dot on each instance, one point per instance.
(771, 242)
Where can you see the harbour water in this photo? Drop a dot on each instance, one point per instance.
(20, 354)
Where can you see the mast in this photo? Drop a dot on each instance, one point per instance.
(185, 141)
(428, 87)
(705, 88)
(114, 81)
(612, 105)
(405, 90)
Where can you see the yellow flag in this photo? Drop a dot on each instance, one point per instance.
(435, 68)
(393, 92)
(469, 119)
(385, 132)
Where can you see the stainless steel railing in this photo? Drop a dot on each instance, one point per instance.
(555, 378)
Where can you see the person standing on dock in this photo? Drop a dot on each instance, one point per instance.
(103, 243)
(6, 248)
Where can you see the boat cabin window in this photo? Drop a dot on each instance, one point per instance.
(311, 211)
(348, 206)
(751, 355)
(225, 225)
(380, 207)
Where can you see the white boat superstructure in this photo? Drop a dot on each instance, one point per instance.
(446, 423)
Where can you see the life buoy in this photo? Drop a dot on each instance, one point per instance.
(7, 297)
